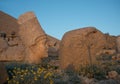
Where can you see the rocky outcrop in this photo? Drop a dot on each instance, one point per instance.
(53, 45)
(107, 52)
(110, 42)
(12, 50)
(3, 45)
(8, 24)
(79, 47)
(24, 39)
(33, 37)
(118, 44)
(11, 47)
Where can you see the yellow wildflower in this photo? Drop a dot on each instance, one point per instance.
(34, 73)
(21, 78)
(47, 75)
(7, 79)
(35, 78)
(51, 81)
(17, 82)
(14, 76)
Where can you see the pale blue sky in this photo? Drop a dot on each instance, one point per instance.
(59, 16)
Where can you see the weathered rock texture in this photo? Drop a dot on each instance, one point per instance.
(24, 39)
(53, 45)
(112, 74)
(11, 48)
(118, 44)
(81, 46)
(33, 37)
(8, 24)
(110, 42)
(13, 52)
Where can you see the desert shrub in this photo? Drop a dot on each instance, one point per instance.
(59, 79)
(110, 66)
(45, 62)
(109, 81)
(29, 74)
(93, 71)
(39, 74)
(74, 79)
(99, 73)
(117, 69)
(104, 57)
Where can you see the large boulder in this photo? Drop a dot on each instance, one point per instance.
(33, 37)
(79, 47)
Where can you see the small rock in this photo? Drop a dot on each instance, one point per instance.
(112, 74)
(88, 81)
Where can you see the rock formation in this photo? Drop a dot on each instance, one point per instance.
(8, 24)
(33, 37)
(24, 39)
(53, 46)
(81, 46)
(118, 44)
(11, 48)
(110, 42)
(110, 47)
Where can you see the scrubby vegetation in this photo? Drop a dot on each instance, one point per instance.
(44, 73)
(29, 74)
(38, 74)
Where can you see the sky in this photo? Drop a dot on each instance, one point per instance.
(59, 16)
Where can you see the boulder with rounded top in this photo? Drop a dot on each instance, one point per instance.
(79, 47)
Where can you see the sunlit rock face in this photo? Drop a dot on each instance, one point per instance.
(110, 42)
(53, 46)
(11, 47)
(79, 47)
(118, 44)
(8, 24)
(33, 37)
(23, 39)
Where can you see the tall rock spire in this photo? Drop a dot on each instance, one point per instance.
(33, 37)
